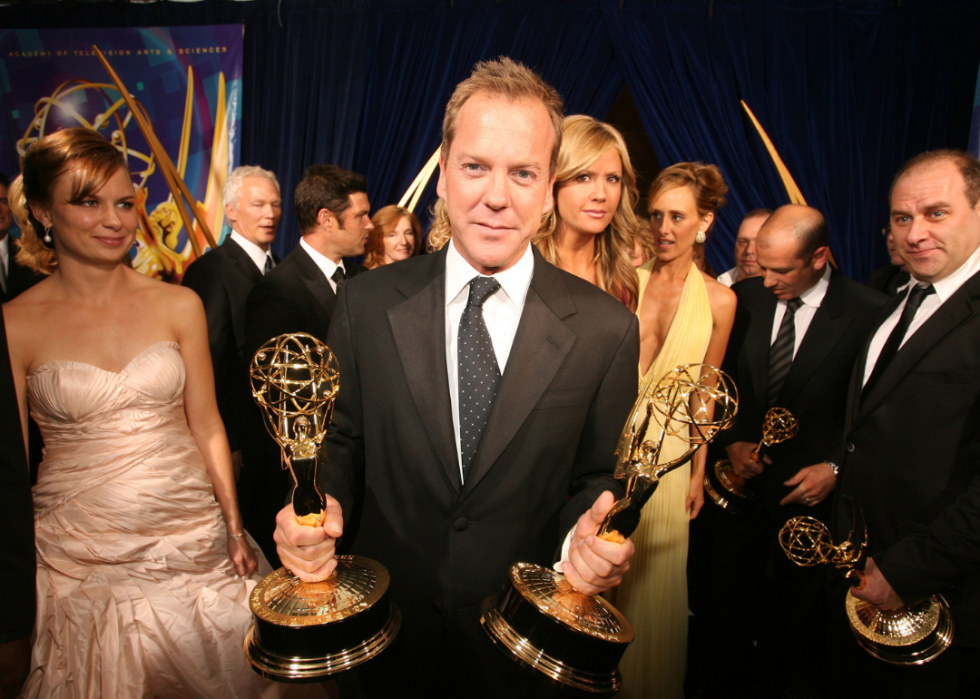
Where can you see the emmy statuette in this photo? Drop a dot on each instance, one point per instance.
(912, 635)
(729, 490)
(305, 632)
(576, 639)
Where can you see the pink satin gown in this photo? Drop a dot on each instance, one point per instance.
(137, 596)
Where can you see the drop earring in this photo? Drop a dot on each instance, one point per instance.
(700, 238)
(47, 235)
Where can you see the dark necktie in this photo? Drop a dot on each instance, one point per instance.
(478, 370)
(781, 351)
(269, 264)
(916, 295)
(339, 278)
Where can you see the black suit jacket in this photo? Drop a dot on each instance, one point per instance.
(815, 391)
(17, 559)
(912, 461)
(294, 297)
(223, 278)
(19, 278)
(546, 454)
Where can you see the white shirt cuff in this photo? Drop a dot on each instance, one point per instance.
(564, 550)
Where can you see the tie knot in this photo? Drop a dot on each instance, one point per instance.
(918, 293)
(338, 276)
(482, 288)
(794, 304)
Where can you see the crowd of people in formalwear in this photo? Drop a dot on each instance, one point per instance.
(487, 368)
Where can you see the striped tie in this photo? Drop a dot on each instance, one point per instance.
(781, 352)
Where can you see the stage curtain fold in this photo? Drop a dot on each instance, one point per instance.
(846, 90)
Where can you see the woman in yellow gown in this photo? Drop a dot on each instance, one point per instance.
(685, 317)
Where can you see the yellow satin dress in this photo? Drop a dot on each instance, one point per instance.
(653, 595)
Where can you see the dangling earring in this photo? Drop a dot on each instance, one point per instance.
(700, 238)
(47, 235)
(551, 220)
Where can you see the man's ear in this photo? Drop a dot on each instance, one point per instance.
(549, 200)
(441, 182)
(231, 213)
(820, 257)
(325, 218)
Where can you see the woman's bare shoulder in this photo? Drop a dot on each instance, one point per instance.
(721, 298)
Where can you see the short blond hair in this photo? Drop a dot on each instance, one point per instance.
(506, 78)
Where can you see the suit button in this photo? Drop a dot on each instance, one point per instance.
(460, 524)
(437, 607)
(850, 446)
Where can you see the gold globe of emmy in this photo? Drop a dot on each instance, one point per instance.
(912, 635)
(726, 488)
(577, 639)
(303, 632)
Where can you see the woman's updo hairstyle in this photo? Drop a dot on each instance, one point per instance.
(705, 182)
(80, 153)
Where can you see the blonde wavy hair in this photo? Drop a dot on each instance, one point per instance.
(585, 141)
(31, 251)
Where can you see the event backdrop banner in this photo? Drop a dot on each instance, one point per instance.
(180, 129)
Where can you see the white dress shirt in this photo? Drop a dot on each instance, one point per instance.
(501, 313)
(5, 255)
(930, 304)
(255, 253)
(728, 278)
(811, 298)
(326, 265)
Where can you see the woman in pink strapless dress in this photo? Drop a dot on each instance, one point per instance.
(144, 570)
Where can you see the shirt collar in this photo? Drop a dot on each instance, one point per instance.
(326, 265)
(514, 281)
(948, 286)
(813, 296)
(255, 253)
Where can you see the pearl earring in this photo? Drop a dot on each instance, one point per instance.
(47, 235)
(700, 238)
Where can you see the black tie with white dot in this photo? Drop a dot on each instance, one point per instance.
(478, 370)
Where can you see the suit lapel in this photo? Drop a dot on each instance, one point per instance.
(958, 308)
(826, 328)
(757, 342)
(243, 263)
(316, 281)
(540, 347)
(418, 325)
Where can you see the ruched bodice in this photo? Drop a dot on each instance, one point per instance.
(137, 596)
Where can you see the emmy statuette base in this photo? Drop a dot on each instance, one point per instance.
(913, 635)
(585, 636)
(306, 632)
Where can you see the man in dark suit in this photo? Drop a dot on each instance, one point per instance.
(224, 276)
(894, 276)
(300, 295)
(14, 277)
(797, 332)
(17, 521)
(911, 458)
(482, 394)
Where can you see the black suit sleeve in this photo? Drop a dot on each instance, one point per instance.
(16, 512)
(269, 313)
(937, 557)
(228, 380)
(591, 473)
(342, 474)
(741, 429)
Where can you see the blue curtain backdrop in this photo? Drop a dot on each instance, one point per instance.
(846, 89)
